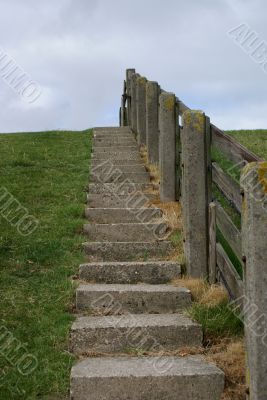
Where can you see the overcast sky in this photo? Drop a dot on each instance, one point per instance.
(78, 50)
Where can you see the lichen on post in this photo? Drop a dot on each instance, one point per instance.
(195, 204)
(254, 247)
(167, 143)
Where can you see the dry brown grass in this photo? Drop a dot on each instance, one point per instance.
(197, 287)
(154, 173)
(232, 360)
(202, 292)
(171, 212)
(143, 153)
(215, 295)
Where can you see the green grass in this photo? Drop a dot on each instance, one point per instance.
(219, 321)
(254, 140)
(47, 172)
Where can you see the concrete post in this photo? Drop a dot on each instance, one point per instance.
(134, 102)
(122, 112)
(254, 244)
(141, 110)
(194, 193)
(167, 156)
(152, 125)
(129, 73)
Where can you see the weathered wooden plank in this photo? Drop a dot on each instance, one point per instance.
(227, 186)
(178, 179)
(229, 231)
(228, 275)
(182, 107)
(212, 243)
(233, 150)
(208, 160)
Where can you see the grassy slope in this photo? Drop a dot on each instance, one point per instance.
(47, 172)
(254, 140)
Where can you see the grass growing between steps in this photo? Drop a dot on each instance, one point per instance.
(47, 173)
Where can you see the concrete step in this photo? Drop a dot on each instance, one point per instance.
(123, 215)
(127, 251)
(127, 232)
(109, 130)
(120, 189)
(118, 176)
(146, 378)
(116, 142)
(134, 299)
(151, 272)
(117, 163)
(114, 138)
(115, 149)
(139, 168)
(147, 332)
(112, 200)
(117, 155)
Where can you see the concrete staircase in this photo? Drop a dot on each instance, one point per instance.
(125, 303)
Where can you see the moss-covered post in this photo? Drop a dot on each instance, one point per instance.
(254, 247)
(141, 110)
(194, 193)
(152, 125)
(134, 102)
(167, 153)
(129, 73)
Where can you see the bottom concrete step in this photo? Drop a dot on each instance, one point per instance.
(152, 272)
(151, 378)
(139, 332)
(127, 251)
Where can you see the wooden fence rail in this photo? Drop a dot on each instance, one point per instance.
(181, 142)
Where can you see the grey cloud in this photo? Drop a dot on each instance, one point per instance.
(78, 51)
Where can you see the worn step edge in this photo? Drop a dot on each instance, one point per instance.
(127, 251)
(149, 332)
(120, 149)
(155, 272)
(96, 162)
(117, 144)
(120, 189)
(136, 299)
(119, 176)
(146, 378)
(108, 200)
(127, 232)
(123, 215)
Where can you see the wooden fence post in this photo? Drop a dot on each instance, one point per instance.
(178, 151)
(152, 123)
(123, 106)
(212, 243)
(194, 193)
(129, 74)
(141, 110)
(254, 247)
(167, 153)
(134, 102)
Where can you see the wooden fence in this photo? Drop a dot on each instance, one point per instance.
(182, 142)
